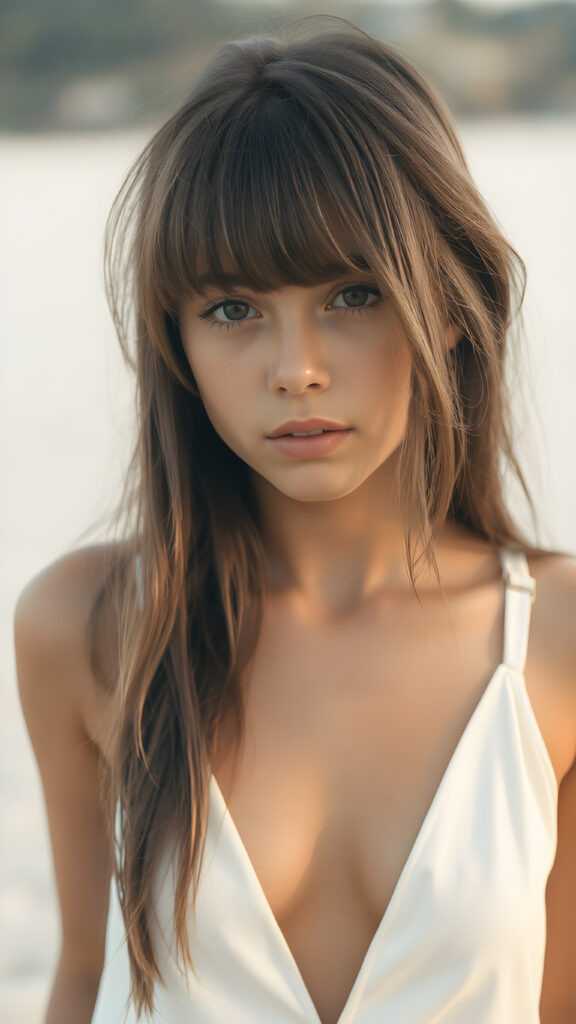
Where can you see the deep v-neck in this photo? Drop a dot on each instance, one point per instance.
(464, 933)
(500, 676)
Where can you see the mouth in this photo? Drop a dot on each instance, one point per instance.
(313, 427)
(310, 444)
(306, 433)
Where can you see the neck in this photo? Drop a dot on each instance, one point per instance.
(330, 556)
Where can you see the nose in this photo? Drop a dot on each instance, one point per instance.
(299, 359)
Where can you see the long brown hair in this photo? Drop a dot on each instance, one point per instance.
(293, 159)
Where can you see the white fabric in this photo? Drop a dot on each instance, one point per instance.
(463, 938)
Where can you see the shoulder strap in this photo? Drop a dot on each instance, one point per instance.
(520, 595)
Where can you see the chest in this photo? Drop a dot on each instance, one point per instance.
(349, 732)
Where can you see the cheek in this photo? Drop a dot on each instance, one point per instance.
(401, 376)
(223, 394)
(387, 379)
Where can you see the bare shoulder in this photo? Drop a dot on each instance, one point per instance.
(65, 709)
(554, 622)
(63, 622)
(553, 629)
(55, 607)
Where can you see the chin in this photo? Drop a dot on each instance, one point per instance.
(315, 490)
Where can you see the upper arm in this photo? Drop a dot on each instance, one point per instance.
(55, 681)
(558, 628)
(559, 986)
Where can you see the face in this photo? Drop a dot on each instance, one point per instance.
(334, 352)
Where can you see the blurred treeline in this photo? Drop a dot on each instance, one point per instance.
(69, 64)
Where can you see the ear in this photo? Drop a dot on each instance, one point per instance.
(453, 334)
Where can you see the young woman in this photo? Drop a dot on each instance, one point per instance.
(322, 691)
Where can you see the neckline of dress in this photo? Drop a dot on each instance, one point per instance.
(502, 671)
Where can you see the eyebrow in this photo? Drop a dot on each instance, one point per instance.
(229, 280)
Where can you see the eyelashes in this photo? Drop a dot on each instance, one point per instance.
(237, 303)
(242, 306)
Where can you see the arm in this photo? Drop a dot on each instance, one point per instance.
(558, 1003)
(56, 688)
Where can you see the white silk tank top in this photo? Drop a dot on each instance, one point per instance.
(462, 940)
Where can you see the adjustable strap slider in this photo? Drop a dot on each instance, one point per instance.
(518, 581)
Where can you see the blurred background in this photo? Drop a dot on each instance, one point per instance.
(83, 83)
(101, 64)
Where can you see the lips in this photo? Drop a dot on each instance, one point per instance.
(292, 427)
(302, 446)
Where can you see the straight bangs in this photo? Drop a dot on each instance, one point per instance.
(283, 201)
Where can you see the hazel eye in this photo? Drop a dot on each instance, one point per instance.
(233, 310)
(356, 297)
